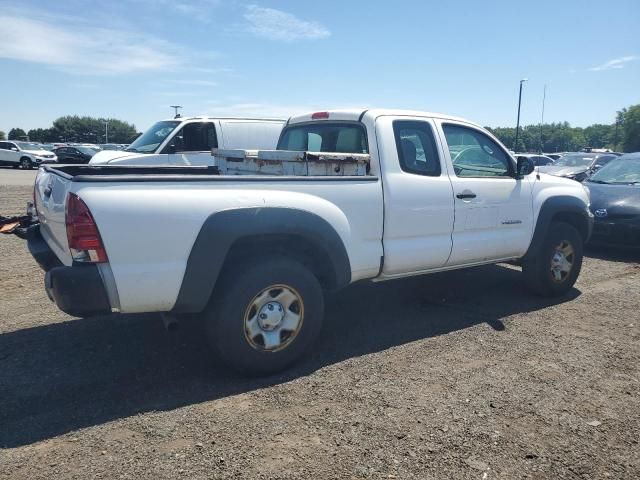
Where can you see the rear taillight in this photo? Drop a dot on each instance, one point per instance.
(82, 233)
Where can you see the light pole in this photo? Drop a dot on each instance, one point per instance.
(515, 144)
(106, 131)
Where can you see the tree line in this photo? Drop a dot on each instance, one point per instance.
(73, 128)
(621, 136)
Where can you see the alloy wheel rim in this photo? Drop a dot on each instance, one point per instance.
(562, 261)
(273, 318)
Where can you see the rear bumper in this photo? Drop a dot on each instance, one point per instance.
(77, 290)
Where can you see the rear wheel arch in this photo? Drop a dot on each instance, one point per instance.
(300, 248)
(230, 238)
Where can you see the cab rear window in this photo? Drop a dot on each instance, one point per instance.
(339, 137)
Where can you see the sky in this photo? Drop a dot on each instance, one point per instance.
(131, 59)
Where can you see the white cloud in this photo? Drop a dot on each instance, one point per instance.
(72, 46)
(278, 25)
(616, 63)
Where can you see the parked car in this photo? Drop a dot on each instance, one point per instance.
(188, 141)
(615, 201)
(111, 146)
(538, 160)
(349, 195)
(75, 154)
(578, 166)
(25, 155)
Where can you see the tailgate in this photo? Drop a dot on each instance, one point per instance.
(50, 198)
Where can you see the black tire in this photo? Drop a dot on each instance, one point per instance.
(25, 163)
(234, 301)
(538, 273)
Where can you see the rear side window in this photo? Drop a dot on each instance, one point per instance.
(336, 137)
(416, 146)
(195, 137)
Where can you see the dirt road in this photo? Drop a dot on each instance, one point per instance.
(457, 375)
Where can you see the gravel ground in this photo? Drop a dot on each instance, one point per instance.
(456, 375)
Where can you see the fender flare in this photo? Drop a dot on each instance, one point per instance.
(221, 230)
(553, 206)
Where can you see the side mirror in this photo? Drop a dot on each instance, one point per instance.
(171, 148)
(14, 149)
(524, 167)
(597, 166)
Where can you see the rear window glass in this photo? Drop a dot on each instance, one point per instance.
(325, 137)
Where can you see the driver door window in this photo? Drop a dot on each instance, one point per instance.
(474, 154)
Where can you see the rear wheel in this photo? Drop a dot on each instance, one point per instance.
(555, 268)
(25, 163)
(266, 316)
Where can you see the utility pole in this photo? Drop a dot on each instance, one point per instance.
(175, 108)
(106, 131)
(544, 97)
(515, 144)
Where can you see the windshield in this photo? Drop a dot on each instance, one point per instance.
(29, 146)
(574, 160)
(621, 171)
(325, 137)
(152, 138)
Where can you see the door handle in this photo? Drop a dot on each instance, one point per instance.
(466, 195)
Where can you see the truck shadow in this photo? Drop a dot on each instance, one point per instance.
(60, 377)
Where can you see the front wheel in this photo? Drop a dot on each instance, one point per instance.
(555, 268)
(266, 316)
(25, 163)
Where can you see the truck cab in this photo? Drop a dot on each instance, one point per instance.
(188, 141)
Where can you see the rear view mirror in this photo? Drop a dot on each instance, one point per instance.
(524, 167)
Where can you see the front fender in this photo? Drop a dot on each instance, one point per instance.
(561, 207)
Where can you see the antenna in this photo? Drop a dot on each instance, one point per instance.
(544, 97)
(175, 108)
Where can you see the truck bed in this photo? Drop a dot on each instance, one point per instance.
(227, 164)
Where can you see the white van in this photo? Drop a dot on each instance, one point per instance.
(188, 141)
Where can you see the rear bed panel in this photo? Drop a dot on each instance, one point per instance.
(149, 218)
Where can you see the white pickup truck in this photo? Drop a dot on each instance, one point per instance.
(252, 242)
